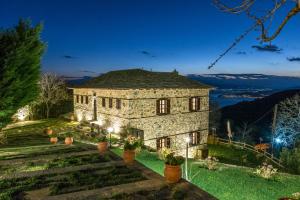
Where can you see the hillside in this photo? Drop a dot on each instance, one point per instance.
(254, 110)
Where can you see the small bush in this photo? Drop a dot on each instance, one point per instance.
(211, 163)
(266, 171)
(291, 159)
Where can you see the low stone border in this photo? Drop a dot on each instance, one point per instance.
(46, 157)
(63, 170)
(110, 191)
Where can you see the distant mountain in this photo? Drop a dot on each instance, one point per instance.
(256, 81)
(74, 81)
(259, 111)
(235, 88)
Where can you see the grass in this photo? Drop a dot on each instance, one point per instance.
(232, 183)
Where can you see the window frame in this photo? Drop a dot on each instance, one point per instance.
(195, 138)
(194, 104)
(162, 142)
(163, 106)
(118, 104)
(110, 102)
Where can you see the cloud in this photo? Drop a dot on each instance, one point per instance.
(147, 53)
(241, 53)
(268, 48)
(88, 71)
(68, 57)
(293, 59)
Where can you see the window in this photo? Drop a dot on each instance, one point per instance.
(163, 142)
(118, 103)
(77, 98)
(194, 103)
(110, 103)
(194, 138)
(103, 102)
(87, 99)
(163, 106)
(81, 99)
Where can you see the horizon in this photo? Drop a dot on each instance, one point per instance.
(89, 38)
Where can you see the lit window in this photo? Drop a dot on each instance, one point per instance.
(163, 106)
(118, 103)
(194, 138)
(163, 142)
(110, 103)
(194, 104)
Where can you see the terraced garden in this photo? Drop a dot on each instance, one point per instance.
(40, 170)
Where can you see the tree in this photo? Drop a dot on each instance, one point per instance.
(287, 127)
(52, 91)
(244, 131)
(20, 59)
(262, 20)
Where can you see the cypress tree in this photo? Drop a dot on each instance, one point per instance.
(20, 62)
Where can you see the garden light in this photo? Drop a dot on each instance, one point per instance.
(110, 129)
(187, 140)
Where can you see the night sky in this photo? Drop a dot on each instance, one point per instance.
(95, 36)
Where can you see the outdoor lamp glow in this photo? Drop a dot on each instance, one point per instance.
(110, 129)
(278, 140)
(187, 139)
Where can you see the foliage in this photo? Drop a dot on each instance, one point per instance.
(214, 115)
(211, 163)
(53, 135)
(290, 158)
(243, 132)
(288, 121)
(100, 138)
(171, 159)
(53, 90)
(3, 138)
(266, 171)
(69, 134)
(131, 143)
(163, 152)
(20, 55)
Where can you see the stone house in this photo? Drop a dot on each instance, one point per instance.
(163, 108)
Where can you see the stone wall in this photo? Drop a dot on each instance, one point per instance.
(138, 108)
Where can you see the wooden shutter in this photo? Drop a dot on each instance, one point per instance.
(168, 106)
(168, 142)
(198, 137)
(158, 143)
(158, 106)
(198, 103)
(190, 104)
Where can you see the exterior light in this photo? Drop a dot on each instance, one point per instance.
(187, 139)
(110, 129)
(278, 140)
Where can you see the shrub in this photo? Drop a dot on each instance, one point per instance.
(101, 138)
(266, 171)
(69, 134)
(163, 152)
(291, 159)
(53, 135)
(211, 163)
(3, 138)
(131, 143)
(171, 159)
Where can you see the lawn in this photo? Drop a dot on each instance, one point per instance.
(230, 182)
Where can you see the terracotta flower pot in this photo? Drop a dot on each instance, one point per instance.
(102, 147)
(53, 140)
(49, 131)
(128, 156)
(69, 140)
(172, 173)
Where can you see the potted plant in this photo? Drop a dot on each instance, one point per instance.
(102, 143)
(172, 170)
(49, 131)
(53, 138)
(69, 138)
(130, 145)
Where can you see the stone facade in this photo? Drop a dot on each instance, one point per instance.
(138, 109)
